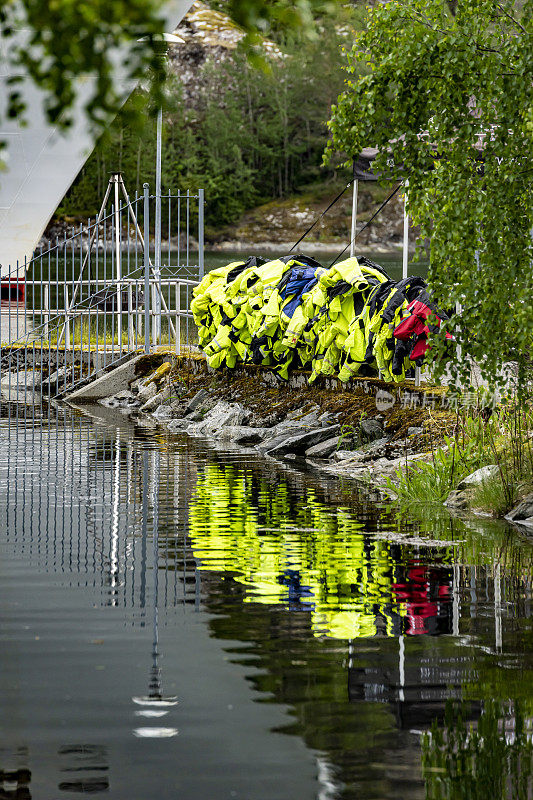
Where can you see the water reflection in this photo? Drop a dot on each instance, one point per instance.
(15, 784)
(86, 768)
(155, 703)
(492, 758)
(323, 560)
(402, 652)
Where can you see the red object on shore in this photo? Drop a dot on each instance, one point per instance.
(12, 292)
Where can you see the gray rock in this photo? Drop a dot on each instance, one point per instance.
(124, 396)
(243, 434)
(361, 474)
(371, 429)
(345, 455)
(221, 415)
(58, 378)
(457, 499)
(371, 447)
(20, 386)
(147, 392)
(178, 425)
(414, 431)
(125, 400)
(162, 412)
(199, 398)
(147, 422)
(477, 477)
(523, 511)
(201, 411)
(109, 402)
(196, 416)
(327, 418)
(178, 408)
(383, 466)
(301, 442)
(278, 435)
(108, 384)
(323, 449)
(155, 401)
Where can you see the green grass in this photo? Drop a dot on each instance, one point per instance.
(505, 440)
(492, 497)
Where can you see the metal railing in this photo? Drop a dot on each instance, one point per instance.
(102, 294)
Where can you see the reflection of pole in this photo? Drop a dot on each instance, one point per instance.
(456, 599)
(155, 704)
(155, 681)
(401, 667)
(498, 607)
(144, 530)
(473, 594)
(114, 525)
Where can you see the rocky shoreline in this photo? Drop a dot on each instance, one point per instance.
(368, 453)
(373, 452)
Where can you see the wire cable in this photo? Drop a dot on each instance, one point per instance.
(382, 206)
(317, 220)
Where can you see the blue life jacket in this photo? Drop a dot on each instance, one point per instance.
(301, 280)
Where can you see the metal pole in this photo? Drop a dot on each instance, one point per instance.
(354, 218)
(157, 254)
(146, 268)
(405, 256)
(200, 233)
(118, 265)
(405, 234)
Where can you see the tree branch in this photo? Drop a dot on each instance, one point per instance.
(518, 24)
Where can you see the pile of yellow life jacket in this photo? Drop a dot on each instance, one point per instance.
(292, 312)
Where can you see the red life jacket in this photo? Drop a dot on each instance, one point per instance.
(416, 325)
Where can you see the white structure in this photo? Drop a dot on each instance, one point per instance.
(42, 161)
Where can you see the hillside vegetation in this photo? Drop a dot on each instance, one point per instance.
(247, 135)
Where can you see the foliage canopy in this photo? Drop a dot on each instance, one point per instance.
(247, 137)
(444, 90)
(54, 44)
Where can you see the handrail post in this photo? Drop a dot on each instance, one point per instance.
(201, 233)
(146, 190)
(354, 216)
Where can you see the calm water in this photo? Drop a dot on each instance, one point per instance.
(185, 622)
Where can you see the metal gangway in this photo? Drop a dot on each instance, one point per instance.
(119, 285)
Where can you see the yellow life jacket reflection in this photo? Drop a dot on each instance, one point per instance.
(311, 556)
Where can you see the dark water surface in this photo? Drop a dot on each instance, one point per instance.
(185, 622)
(391, 262)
